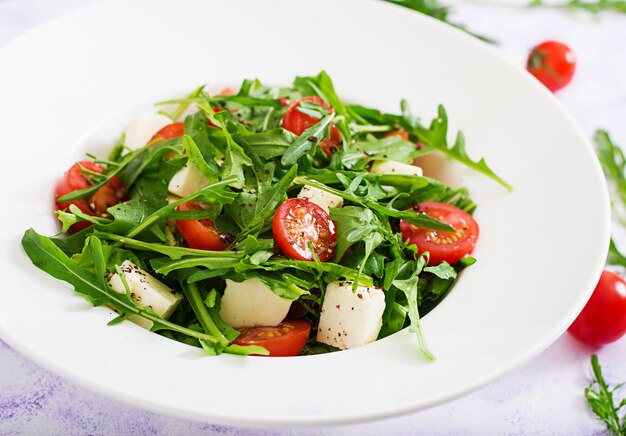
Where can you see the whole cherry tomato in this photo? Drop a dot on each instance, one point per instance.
(553, 64)
(603, 318)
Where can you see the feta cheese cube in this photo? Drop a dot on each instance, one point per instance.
(187, 181)
(393, 167)
(251, 304)
(146, 291)
(350, 319)
(323, 199)
(143, 127)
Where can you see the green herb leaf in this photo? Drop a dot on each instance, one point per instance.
(592, 6)
(613, 164)
(48, 257)
(437, 11)
(436, 138)
(600, 399)
(304, 142)
(410, 289)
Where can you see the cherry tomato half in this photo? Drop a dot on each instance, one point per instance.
(286, 339)
(442, 245)
(552, 63)
(401, 133)
(74, 180)
(171, 131)
(297, 223)
(603, 319)
(297, 122)
(200, 234)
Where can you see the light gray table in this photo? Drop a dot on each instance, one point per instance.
(543, 397)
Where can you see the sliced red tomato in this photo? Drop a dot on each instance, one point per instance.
(331, 144)
(227, 91)
(401, 133)
(297, 122)
(442, 245)
(283, 101)
(200, 234)
(603, 319)
(286, 339)
(297, 223)
(74, 179)
(171, 131)
(552, 63)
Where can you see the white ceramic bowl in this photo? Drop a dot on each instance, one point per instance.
(541, 247)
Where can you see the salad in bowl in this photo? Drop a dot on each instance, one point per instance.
(270, 221)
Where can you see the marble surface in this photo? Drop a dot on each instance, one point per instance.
(545, 396)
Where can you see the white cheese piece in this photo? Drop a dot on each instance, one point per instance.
(187, 181)
(350, 319)
(143, 127)
(251, 304)
(323, 199)
(146, 291)
(392, 167)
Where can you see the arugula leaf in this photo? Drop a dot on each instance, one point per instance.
(48, 257)
(183, 104)
(265, 203)
(435, 138)
(322, 86)
(210, 171)
(87, 192)
(305, 141)
(173, 252)
(410, 289)
(275, 282)
(443, 271)
(438, 11)
(165, 266)
(217, 193)
(615, 257)
(593, 6)
(357, 224)
(234, 156)
(600, 399)
(613, 164)
(391, 148)
(421, 220)
(76, 215)
(269, 144)
(224, 336)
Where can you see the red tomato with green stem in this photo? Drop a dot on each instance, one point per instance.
(75, 179)
(443, 245)
(286, 339)
(201, 234)
(553, 64)
(297, 122)
(298, 223)
(603, 319)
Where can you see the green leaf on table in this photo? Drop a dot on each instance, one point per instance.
(592, 6)
(600, 399)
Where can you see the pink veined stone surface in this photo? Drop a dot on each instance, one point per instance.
(543, 397)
